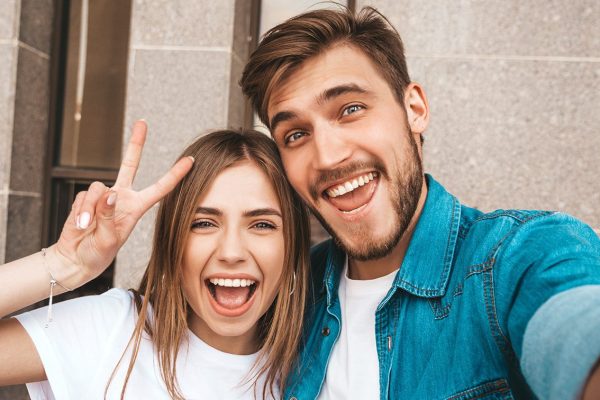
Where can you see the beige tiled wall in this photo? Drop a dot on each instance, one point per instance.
(25, 31)
(30, 126)
(184, 65)
(514, 91)
(8, 55)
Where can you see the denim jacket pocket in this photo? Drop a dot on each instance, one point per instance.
(491, 390)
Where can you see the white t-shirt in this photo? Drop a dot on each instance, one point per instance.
(85, 340)
(353, 369)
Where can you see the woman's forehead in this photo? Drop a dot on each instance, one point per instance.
(242, 186)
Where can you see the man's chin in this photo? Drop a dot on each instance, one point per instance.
(370, 248)
(365, 243)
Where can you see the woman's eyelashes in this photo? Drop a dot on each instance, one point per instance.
(265, 226)
(205, 225)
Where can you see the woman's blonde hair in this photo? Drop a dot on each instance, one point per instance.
(161, 286)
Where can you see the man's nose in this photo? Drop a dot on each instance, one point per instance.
(331, 147)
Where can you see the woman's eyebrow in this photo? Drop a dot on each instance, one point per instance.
(262, 211)
(209, 211)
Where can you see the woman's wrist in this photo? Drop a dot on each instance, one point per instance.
(67, 274)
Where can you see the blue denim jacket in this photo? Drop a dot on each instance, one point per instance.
(452, 325)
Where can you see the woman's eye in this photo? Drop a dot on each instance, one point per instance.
(202, 224)
(264, 226)
(294, 136)
(352, 109)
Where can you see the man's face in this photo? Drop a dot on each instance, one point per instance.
(348, 149)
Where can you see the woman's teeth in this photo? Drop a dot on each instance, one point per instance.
(349, 186)
(232, 282)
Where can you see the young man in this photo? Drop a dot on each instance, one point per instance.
(417, 296)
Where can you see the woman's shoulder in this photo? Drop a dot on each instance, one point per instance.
(114, 301)
(83, 314)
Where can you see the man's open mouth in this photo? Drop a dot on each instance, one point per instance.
(354, 193)
(231, 293)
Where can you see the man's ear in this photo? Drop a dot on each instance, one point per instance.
(417, 108)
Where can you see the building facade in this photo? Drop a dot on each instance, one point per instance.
(514, 90)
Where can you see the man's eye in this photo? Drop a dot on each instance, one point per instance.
(352, 109)
(294, 136)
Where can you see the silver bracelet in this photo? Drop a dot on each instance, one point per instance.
(53, 282)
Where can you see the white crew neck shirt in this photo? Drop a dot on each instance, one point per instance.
(82, 345)
(353, 369)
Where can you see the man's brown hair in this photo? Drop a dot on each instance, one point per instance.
(285, 47)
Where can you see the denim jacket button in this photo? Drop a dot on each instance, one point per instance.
(325, 331)
(293, 398)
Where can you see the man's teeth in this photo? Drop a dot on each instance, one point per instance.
(349, 186)
(232, 282)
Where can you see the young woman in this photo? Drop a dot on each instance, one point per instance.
(219, 310)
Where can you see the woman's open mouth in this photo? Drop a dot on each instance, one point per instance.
(231, 297)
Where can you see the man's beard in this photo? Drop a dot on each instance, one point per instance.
(406, 188)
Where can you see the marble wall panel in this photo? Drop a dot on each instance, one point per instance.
(23, 231)
(540, 28)
(30, 122)
(35, 28)
(8, 53)
(8, 19)
(182, 23)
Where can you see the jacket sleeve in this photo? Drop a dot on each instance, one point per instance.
(549, 277)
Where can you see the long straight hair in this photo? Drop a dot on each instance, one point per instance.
(161, 287)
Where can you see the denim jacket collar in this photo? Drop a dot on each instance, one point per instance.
(428, 260)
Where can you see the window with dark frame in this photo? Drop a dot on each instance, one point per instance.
(89, 72)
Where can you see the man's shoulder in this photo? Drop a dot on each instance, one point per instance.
(525, 236)
(500, 226)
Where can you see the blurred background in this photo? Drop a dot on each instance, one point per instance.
(513, 86)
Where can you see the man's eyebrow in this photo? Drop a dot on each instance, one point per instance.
(327, 95)
(339, 90)
(209, 211)
(280, 117)
(258, 212)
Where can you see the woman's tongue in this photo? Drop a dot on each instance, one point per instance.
(231, 297)
(354, 199)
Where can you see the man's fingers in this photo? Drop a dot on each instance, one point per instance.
(164, 185)
(133, 154)
(87, 209)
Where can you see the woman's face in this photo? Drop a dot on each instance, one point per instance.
(233, 258)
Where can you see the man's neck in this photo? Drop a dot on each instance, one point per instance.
(372, 269)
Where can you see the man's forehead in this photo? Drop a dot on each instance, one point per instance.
(341, 66)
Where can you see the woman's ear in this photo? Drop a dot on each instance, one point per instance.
(417, 109)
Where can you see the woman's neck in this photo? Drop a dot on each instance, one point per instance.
(243, 344)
